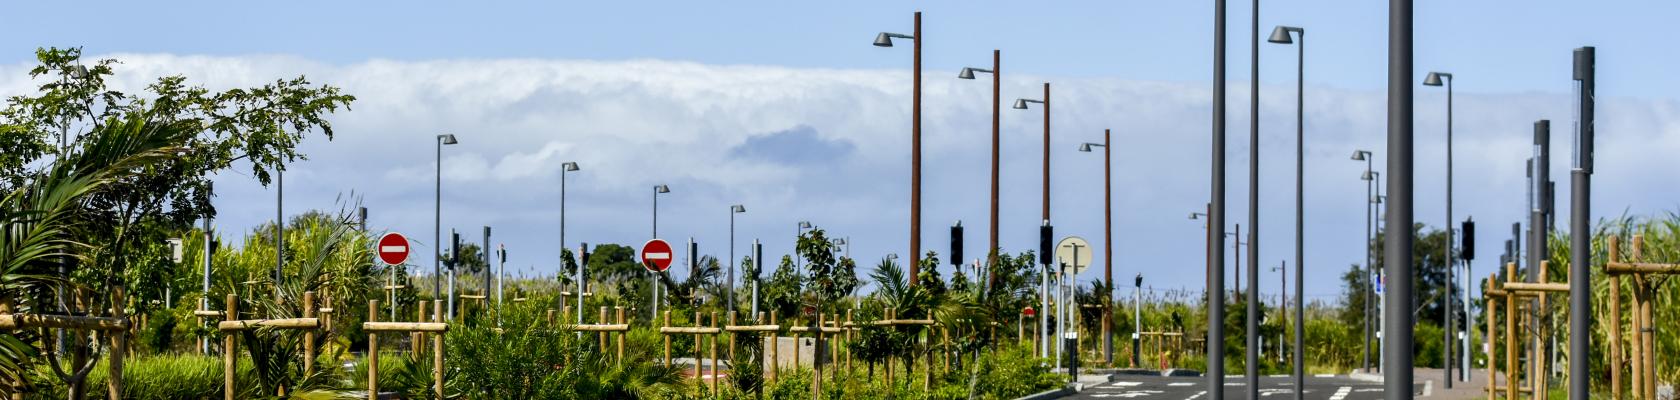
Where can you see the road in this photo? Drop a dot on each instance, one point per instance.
(1337, 387)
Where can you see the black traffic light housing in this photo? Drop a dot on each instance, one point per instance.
(957, 243)
(1045, 232)
(583, 254)
(1467, 249)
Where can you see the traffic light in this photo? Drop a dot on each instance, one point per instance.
(957, 244)
(1467, 250)
(1044, 233)
(583, 254)
(454, 249)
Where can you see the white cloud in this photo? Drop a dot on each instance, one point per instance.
(633, 124)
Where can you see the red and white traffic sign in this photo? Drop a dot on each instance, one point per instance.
(657, 255)
(1029, 311)
(393, 248)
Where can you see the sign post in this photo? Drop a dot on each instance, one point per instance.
(656, 256)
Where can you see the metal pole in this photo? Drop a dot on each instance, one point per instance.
(1046, 177)
(204, 300)
(1580, 228)
(1369, 289)
(1447, 309)
(1537, 228)
(1252, 366)
(758, 263)
(916, 155)
(730, 300)
(997, 84)
(279, 224)
(1108, 250)
(575, 257)
(437, 227)
(1300, 210)
(1216, 217)
(1397, 248)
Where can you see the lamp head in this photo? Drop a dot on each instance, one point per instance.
(1021, 104)
(1435, 78)
(1359, 155)
(967, 73)
(1368, 175)
(1280, 35)
(569, 166)
(804, 224)
(447, 138)
(738, 208)
(883, 40)
(661, 189)
(1086, 147)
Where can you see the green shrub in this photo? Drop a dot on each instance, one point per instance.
(158, 377)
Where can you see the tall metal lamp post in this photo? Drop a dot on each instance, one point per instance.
(1108, 247)
(1370, 178)
(578, 275)
(1440, 79)
(884, 39)
(437, 217)
(1281, 35)
(735, 209)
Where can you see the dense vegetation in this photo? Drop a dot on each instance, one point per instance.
(84, 224)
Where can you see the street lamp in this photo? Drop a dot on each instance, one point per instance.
(437, 217)
(578, 274)
(735, 209)
(997, 82)
(1108, 247)
(1021, 104)
(1445, 79)
(1370, 178)
(1252, 366)
(653, 277)
(884, 39)
(1281, 35)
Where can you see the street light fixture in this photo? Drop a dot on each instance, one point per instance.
(578, 274)
(884, 39)
(1108, 249)
(997, 96)
(803, 225)
(1281, 35)
(437, 217)
(1445, 79)
(1370, 178)
(1021, 104)
(735, 209)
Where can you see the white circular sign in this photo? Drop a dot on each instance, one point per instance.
(1074, 252)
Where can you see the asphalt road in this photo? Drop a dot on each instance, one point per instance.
(1192, 388)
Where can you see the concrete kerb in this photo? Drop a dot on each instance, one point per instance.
(1364, 376)
(1076, 386)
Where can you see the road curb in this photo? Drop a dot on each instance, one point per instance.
(1365, 377)
(1048, 394)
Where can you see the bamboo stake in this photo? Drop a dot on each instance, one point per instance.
(437, 351)
(732, 337)
(373, 352)
(1615, 321)
(712, 323)
(667, 338)
(816, 361)
(309, 334)
(620, 335)
(229, 347)
(1510, 336)
(775, 346)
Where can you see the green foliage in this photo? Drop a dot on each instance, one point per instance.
(162, 377)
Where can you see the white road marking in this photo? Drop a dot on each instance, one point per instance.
(1198, 394)
(1126, 384)
(1341, 393)
(1181, 384)
(1325, 376)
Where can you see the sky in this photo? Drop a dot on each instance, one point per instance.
(785, 108)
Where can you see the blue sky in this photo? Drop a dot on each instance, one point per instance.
(726, 90)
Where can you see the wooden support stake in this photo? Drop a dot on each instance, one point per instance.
(711, 323)
(775, 346)
(667, 338)
(732, 340)
(309, 334)
(620, 335)
(602, 319)
(1615, 320)
(373, 352)
(229, 348)
(1510, 336)
(437, 352)
(816, 361)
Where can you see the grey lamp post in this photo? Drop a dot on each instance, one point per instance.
(1440, 79)
(654, 277)
(1397, 249)
(279, 224)
(1370, 178)
(437, 217)
(1252, 366)
(997, 90)
(578, 274)
(884, 39)
(1108, 249)
(1216, 215)
(1281, 35)
(735, 209)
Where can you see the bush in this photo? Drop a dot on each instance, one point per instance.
(158, 377)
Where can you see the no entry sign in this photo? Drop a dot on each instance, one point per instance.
(393, 248)
(656, 255)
